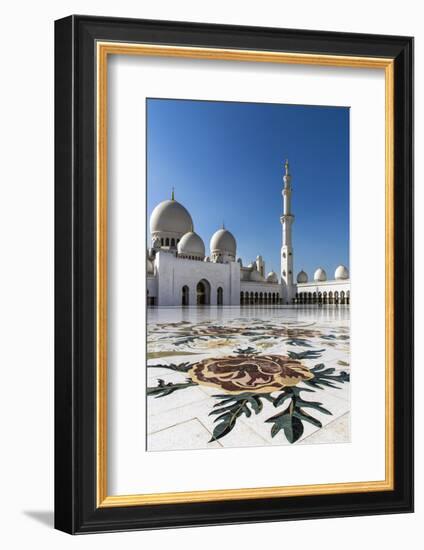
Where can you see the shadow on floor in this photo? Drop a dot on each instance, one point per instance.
(46, 517)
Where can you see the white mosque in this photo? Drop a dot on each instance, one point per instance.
(179, 273)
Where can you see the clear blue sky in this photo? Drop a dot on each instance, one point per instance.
(226, 159)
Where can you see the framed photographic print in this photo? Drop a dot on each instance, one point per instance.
(233, 274)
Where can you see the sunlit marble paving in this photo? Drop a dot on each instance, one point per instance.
(247, 376)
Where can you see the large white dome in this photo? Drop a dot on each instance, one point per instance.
(223, 242)
(320, 275)
(191, 245)
(170, 217)
(341, 273)
(302, 277)
(272, 277)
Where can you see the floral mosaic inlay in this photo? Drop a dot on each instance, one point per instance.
(269, 378)
(249, 373)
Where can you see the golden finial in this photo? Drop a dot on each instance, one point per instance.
(286, 165)
(173, 194)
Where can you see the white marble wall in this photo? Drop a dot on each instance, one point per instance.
(247, 286)
(173, 273)
(324, 286)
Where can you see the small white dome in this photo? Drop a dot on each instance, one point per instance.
(223, 242)
(251, 266)
(272, 277)
(256, 277)
(320, 275)
(191, 245)
(170, 217)
(341, 273)
(302, 277)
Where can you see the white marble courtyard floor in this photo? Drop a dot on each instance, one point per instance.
(193, 370)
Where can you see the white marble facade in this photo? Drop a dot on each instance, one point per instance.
(174, 273)
(179, 273)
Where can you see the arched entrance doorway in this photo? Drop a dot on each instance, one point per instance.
(219, 296)
(185, 296)
(203, 292)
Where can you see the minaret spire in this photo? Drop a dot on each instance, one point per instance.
(287, 220)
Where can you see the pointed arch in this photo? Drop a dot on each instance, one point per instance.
(203, 293)
(185, 296)
(220, 296)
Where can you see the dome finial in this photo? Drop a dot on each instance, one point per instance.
(286, 166)
(173, 194)
(223, 224)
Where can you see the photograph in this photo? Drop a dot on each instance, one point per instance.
(248, 286)
(210, 305)
(220, 192)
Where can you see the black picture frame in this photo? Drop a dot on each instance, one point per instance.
(76, 509)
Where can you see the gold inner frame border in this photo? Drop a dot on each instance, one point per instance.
(103, 50)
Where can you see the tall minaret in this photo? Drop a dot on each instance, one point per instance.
(287, 220)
